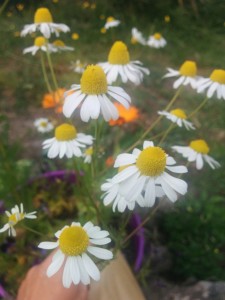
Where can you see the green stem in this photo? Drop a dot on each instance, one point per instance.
(51, 68)
(166, 133)
(45, 74)
(32, 230)
(198, 108)
(3, 6)
(156, 121)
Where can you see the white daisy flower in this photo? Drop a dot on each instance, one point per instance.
(40, 43)
(94, 91)
(186, 73)
(59, 45)
(111, 22)
(156, 41)
(119, 64)
(43, 125)
(121, 198)
(78, 67)
(215, 84)
(17, 214)
(67, 142)
(43, 22)
(177, 116)
(197, 151)
(146, 171)
(88, 155)
(74, 243)
(137, 37)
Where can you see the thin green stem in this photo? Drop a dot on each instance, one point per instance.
(51, 69)
(156, 121)
(198, 108)
(3, 6)
(45, 74)
(166, 133)
(142, 224)
(32, 230)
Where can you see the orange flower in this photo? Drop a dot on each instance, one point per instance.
(125, 115)
(109, 161)
(54, 100)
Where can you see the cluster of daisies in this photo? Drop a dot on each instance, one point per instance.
(142, 175)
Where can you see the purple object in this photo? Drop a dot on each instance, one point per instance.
(139, 241)
(2, 292)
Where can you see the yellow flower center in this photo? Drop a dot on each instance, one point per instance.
(188, 68)
(157, 36)
(58, 43)
(89, 151)
(110, 19)
(151, 161)
(39, 41)
(119, 54)
(15, 218)
(134, 40)
(179, 113)
(73, 241)
(93, 81)
(218, 76)
(43, 15)
(200, 146)
(43, 124)
(65, 132)
(75, 36)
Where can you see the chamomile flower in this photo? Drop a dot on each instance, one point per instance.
(156, 41)
(59, 45)
(88, 155)
(186, 74)
(111, 22)
(43, 22)
(146, 171)
(74, 244)
(197, 151)
(78, 67)
(177, 116)
(215, 84)
(94, 91)
(43, 125)
(40, 43)
(137, 37)
(16, 215)
(67, 142)
(119, 64)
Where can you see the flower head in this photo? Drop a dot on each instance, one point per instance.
(187, 74)
(137, 37)
(125, 115)
(16, 215)
(119, 64)
(74, 244)
(93, 91)
(43, 125)
(43, 22)
(67, 142)
(111, 22)
(59, 45)
(145, 173)
(78, 67)
(54, 100)
(215, 84)
(177, 116)
(197, 151)
(40, 43)
(88, 155)
(156, 41)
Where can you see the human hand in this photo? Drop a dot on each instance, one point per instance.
(37, 285)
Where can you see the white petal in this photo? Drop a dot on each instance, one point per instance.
(48, 245)
(90, 267)
(100, 252)
(55, 265)
(150, 193)
(74, 270)
(67, 279)
(84, 277)
(124, 159)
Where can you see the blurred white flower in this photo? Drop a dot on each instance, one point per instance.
(43, 125)
(156, 41)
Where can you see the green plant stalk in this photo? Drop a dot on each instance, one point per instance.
(156, 121)
(45, 74)
(51, 68)
(3, 6)
(32, 230)
(198, 107)
(170, 128)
